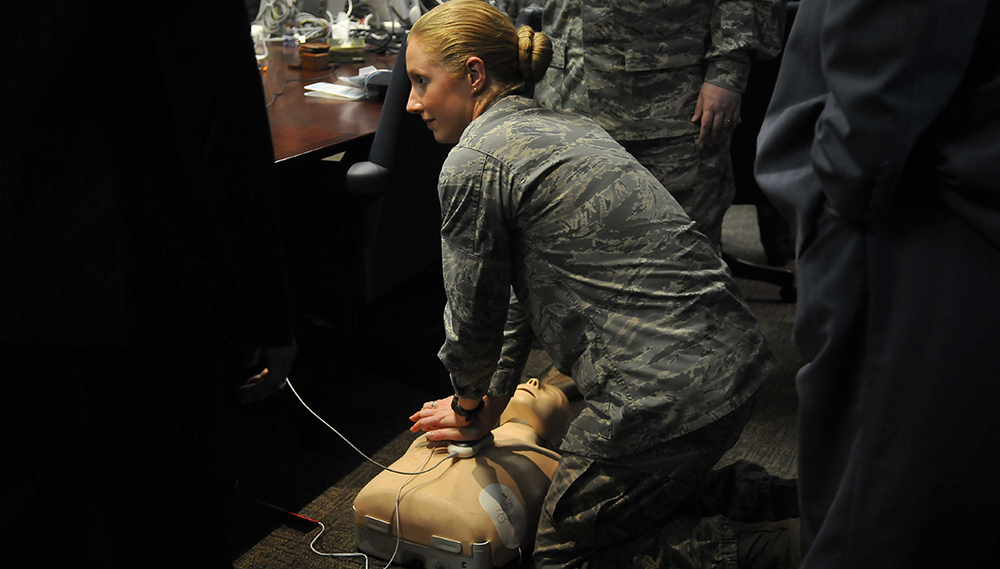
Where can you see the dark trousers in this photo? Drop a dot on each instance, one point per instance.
(899, 432)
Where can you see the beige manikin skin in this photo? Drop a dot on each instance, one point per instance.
(460, 499)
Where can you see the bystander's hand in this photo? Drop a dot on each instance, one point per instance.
(718, 111)
(278, 364)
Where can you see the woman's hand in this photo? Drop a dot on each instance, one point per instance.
(718, 109)
(441, 424)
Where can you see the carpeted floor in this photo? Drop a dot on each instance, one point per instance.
(286, 458)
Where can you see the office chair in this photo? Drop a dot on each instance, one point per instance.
(394, 297)
(775, 232)
(400, 231)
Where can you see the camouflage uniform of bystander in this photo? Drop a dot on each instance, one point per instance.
(637, 68)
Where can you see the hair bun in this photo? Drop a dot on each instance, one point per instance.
(534, 54)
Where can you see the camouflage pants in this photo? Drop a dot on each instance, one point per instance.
(700, 178)
(668, 508)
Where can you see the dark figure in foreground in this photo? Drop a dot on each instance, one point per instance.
(882, 145)
(140, 257)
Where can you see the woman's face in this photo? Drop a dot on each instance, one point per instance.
(444, 101)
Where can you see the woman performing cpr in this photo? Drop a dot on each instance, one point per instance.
(551, 230)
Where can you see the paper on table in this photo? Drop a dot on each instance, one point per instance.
(359, 79)
(334, 91)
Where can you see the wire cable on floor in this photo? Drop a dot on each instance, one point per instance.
(322, 527)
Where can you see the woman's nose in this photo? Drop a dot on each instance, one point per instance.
(412, 105)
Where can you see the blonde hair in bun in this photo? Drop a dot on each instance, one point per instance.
(452, 32)
(534, 53)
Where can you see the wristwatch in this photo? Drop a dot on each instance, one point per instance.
(467, 414)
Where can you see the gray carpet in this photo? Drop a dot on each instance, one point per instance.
(291, 461)
(770, 438)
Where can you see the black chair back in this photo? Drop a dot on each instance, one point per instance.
(400, 230)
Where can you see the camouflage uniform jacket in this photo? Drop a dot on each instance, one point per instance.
(636, 67)
(622, 293)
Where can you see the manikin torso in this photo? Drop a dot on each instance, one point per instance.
(493, 497)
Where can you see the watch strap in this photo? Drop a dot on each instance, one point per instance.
(467, 414)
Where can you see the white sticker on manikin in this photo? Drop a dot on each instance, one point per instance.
(507, 513)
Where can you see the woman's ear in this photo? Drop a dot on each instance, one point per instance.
(475, 69)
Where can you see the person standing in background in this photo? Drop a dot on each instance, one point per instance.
(882, 146)
(665, 80)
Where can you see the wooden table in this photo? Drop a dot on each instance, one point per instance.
(313, 127)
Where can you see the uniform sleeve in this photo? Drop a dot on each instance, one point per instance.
(476, 264)
(891, 68)
(517, 338)
(741, 31)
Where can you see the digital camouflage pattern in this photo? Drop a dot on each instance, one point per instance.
(699, 177)
(624, 295)
(668, 508)
(637, 67)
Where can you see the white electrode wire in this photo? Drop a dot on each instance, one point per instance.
(399, 533)
(366, 457)
(322, 530)
(399, 494)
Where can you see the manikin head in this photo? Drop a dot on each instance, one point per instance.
(544, 407)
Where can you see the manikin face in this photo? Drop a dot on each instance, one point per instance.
(544, 407)
(444, 101)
